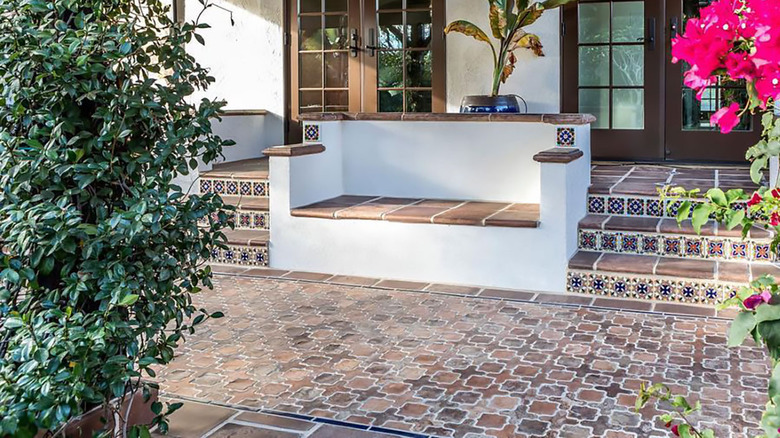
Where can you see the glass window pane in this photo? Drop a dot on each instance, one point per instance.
(418, 68)
(628, 22)
(415, 4)
(628, 109)
(336, 34)
(391, 101)
(310, 6)
(419, 101)
(391, 30)
(337, 70)
(628, 65)
(335, 5)
(418, 29)
(696, 114)
(594, 66)
(336, 101)
(391, 69)
(390, 4)
(311, 102)
(311, 70)
(311, 33)
(594, 22)
(596, 102)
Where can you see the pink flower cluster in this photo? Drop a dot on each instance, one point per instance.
(739, 39)
(753, 301)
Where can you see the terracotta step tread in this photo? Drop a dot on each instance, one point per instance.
(246, 202)
(431, 211)
(664, 226)
(247, 237)
(255, 168)
(736, 272)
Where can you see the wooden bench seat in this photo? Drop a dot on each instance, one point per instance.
(430, 211)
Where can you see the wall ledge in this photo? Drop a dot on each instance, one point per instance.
(294, 150)
(551, 119)
(558, 155)
(243, 112)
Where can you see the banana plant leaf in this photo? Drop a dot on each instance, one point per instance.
(469, 29)
(498, 18)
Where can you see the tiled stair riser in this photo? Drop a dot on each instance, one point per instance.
(637, 206)
(649, 287)
(241, 255)
(247, 219)
(235, 187)
(698, 247)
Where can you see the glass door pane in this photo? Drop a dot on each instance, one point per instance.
(611, 51)
(323, 55)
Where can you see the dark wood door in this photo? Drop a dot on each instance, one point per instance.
(613, 63)
(689, 134)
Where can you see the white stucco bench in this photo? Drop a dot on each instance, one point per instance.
(325, 193)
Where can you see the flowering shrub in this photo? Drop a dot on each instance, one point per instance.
(737, 40)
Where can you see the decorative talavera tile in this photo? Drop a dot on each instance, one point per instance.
(649, 288)
(596, 205)
(240, 255)
(566, 137)
(311, 133)
(635, 207)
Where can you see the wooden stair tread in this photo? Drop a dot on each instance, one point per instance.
(432, 211)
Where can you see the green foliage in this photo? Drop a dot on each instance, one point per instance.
(678, 419)
(101, 250)
(507, 20)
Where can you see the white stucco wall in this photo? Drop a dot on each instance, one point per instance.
(469, 62)
(246, 59)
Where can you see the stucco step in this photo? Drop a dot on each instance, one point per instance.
(664, 237)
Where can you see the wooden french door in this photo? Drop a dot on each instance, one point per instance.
(617, 66)
(689, 134)
(365, 56)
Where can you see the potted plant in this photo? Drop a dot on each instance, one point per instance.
(508, 18)
(101, 250)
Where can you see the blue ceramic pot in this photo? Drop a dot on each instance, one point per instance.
(492, 104)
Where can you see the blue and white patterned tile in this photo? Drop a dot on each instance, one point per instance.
(597, 204)
(566, 137)
(311, 133)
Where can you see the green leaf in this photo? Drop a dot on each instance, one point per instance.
(498, 18)
(735, 218)
(740, 328)
(774, 382)
(684, 211)
(217, 315)
(767, 312)
(469, 29)
(756, 169)
(718, 197)
(128, 300)
(701, 215)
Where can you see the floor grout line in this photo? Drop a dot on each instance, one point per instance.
(448, 210)
(220, 425)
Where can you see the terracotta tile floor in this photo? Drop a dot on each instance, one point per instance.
(495, 214)
(646, 180)
(457, 366)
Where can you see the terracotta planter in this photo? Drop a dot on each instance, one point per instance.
(92, 421)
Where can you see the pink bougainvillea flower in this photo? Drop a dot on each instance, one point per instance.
(754, 200)
(775, 193)
(676, 430)
(753, 301)
(727, 118)
(774, 219)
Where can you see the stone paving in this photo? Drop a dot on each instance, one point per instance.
(452, 366)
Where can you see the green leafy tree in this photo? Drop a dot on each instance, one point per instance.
(101, 251)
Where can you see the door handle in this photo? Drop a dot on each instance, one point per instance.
(674, 25)
(354, 48)
(651, 33)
